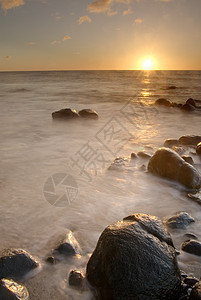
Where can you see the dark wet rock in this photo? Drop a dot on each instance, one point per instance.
(168, 164)
(135, 259)
(192, 247)
(191, 102)
(65, 113)
(188, 159)
(69, 247)
(198, 149)
(133, 156)
(88, 113)
(183, 274)
(190, 140)
(191, 280)
(191, 236)
(196, 292)
(51, 260)
(10, 290)
(15, 264)
(76, 279)
(171, 87)
(163, 102)
(187, 107)
(171, 142)
(118, 163)
(143, 155)
(180, 220)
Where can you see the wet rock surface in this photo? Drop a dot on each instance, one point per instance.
(180, 220)
(76, 279)
(192, 247)
(15, 264)
(190, 140)
(10, 290)
(65, 113)
(198, 149)
(88, 113)
(168, 164)
(196, 292)
(135, 259)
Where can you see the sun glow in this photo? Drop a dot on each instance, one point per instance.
(148, 64)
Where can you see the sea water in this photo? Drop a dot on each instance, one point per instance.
(37, 207)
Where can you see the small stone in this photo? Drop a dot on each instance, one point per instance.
(65, 113)
(133, 156)
(66, 249)
(163, 101)
(191, 102)
(143, 155)
(171, 142)
(88, 113)
(76, 279)
(192, 247)
(196, 292)
(51, 260)
(191, 281)
(180, 220)
(187, 107)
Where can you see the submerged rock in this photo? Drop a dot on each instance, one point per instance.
(118, 163)
(180, 220)
(163, 102)
(65, 113)
(88, 113)
(76, 279)
(143, 155)
(133, 155)
(171, 142)
(10, 290)
(187, 107)
(15, 264)
(190, 140)
(192, 247)
(168, 164)
(198, 149)
(135, 259)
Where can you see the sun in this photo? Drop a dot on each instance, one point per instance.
(147, 64)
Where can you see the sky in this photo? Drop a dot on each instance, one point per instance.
(100, 35)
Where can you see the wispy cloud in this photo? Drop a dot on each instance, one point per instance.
(65, 38)
(84, 19)
(127, 12)
(138, 21)
(8, 4)
(104, 6)
(31, 43)
(7, 57)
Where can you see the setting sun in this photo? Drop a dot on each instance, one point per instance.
(147, 64)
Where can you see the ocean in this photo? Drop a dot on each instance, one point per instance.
(54, 176)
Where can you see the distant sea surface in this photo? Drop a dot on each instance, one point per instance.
(35, 150)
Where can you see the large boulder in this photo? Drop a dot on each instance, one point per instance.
(135, 259)
(168, 164)
(65, 113)
(88, 113)
(15, 264)
(10, 290)
(190, 140)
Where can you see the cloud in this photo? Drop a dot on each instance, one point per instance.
(55, 42)
(138, 21)
(67, 37)
(101, 6)
(31, 43)
(84, 19)
(8, 4)
(7, 57)
(127, 12)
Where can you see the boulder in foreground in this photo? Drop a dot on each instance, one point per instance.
(10, 290)
(135, 259)
(15, 264)
(168, 164)
(65, 113)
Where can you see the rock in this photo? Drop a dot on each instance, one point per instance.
(135, 259)
(190, 140)
(51, 260)
(168, 164)
(88, 113)
(179, 149)
(171, 87)
(163, 101)
(192, 246)
(190, 236)
(180, 220)
(142, 168)
(69, 247)
(195, 197)
(188, 159)
(133, 156)
(65, 113)
(187, 107)
(15, 264)
(76, 279)
(196, 292)
(171, 142)
(118, 163)
(198, 149)
(10, 290)
(143, 155)
(191, 280)
(191, 102)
